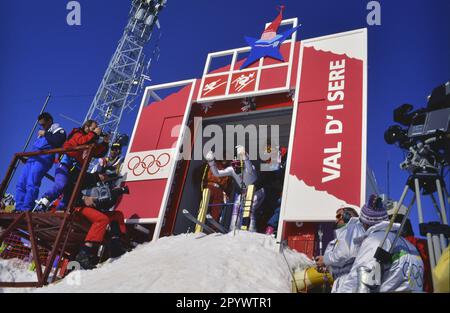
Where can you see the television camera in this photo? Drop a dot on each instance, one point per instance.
(426, 137)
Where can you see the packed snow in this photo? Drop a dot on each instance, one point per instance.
(15, 270)
(242, 262)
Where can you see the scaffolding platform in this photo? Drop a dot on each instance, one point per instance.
(60, 233)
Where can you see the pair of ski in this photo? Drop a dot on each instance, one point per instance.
(216, 227)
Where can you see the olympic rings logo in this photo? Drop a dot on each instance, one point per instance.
(414, 272)
(150, 164)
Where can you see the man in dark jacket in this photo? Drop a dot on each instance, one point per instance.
(50, 136)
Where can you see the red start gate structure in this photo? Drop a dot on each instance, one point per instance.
(319, 94)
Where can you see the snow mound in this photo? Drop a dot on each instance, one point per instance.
(15, 270)
(244, 262)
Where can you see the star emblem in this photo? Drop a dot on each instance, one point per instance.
(269, 43)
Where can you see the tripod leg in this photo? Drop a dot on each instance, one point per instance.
(446, 194)
(441, 201)
(442, 238)
(420, 214)
(405, 218)
(436, 207)
(436, 247)
(397, 207)
(441, 242)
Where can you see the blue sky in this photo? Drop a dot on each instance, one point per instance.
(409, 54)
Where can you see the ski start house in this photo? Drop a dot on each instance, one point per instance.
(314, 90)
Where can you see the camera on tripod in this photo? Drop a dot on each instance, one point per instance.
(108, 197)
(105, 196)
(427, 133)
(427, 140)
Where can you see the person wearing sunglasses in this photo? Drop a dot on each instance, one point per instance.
(341, 252)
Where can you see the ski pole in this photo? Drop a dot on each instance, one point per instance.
(241, 204)
(320, 235)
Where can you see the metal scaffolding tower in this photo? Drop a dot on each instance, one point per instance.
(128, 67)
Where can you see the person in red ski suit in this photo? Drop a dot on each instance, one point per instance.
(100, 220)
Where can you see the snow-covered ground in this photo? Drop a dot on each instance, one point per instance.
(15, 271)
(244, 262)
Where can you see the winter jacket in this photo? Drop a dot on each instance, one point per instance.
(341, 252)
(78, 138)
(54, 138)
(405, 274)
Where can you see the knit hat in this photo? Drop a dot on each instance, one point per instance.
(374, 211)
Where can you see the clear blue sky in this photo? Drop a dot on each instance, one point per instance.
(409, 54)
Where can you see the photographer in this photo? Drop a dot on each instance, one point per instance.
(94, 205)
(70, 164)
(405, 271)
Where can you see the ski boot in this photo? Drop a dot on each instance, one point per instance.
(85, 258)
(115, 248)
(42, 205)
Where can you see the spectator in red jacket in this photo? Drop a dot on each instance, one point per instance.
(89, 133)
(70, 164)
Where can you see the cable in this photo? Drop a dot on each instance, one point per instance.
(283, 243)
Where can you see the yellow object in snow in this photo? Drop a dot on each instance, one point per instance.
(441, 275)
(2, 246)
(309, 278)
(203, 209)
(32, 267)
(248, 206)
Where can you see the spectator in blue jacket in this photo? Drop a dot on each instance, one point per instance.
(50, 136)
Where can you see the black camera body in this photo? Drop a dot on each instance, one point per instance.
(106, 201)
(427, 133)
(105, 196)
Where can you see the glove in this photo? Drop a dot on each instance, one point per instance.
(209, 156)
(240, 151)
(41, 205)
